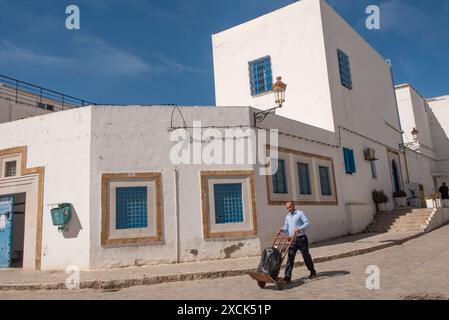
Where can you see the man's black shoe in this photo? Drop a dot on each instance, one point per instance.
(287, 280)
(313, 275)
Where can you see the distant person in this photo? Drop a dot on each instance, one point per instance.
(444, 190)
(296, 223)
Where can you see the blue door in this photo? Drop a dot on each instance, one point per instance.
(396, 183)
(6, 215)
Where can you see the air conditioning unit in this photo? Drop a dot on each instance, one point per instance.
(370, 154)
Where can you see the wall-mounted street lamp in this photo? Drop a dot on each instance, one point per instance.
(279, 89)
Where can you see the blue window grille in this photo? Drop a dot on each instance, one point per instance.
(261, 76)
(228, 203)
(325, 181)
(373, 169)
(131, 208)
(304, 179)
(348, 155)
(279, 180)
(345, 69)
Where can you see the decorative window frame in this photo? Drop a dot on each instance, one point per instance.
(21, 153)
(11, 158)
(109, 234)
(333, 197)
(247, 228)
(309, 161)
(314, 161)
(281, 197)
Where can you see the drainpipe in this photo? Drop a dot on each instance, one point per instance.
(176, 194)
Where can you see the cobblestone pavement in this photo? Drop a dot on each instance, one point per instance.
(418, 269)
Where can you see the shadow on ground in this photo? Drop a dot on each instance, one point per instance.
(306, 280)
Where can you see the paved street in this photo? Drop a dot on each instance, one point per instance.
(418, 268)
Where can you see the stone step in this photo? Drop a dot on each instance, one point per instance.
(401, 220)
(410, 224)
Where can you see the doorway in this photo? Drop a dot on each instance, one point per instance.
(395, 174)
(12, 230)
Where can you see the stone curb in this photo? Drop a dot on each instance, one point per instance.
(152, 280)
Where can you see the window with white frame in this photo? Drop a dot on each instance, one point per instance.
(325, 181)
(280, 184)
(304, 178)
(131, 208)
(228, 204)
(280, 178)
(10, 166)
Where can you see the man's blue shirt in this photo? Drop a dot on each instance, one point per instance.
(296, 220)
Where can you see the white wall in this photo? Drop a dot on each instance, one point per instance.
(414, 113)
(293, 37)
(372, 100)
(10, 110)
(60, 142)
(420, 171)
(135, 139)
(439, 123)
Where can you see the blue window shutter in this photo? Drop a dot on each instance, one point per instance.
(347, 162)
(345, 69)
(261, 76)
(348, 155)
(325, 181)
(228, 199)
(304, 179)
(279, 179)
(373, 169)
(352, 161)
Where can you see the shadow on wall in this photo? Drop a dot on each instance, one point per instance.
(73, 227)
(439, 137)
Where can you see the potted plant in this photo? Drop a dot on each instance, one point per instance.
(433, 200)
(380, 199)
(400, 199)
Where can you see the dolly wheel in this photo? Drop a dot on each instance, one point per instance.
(261, 284)
(280, 284)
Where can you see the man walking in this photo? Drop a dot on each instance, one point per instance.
(444, 190)
(296, 223)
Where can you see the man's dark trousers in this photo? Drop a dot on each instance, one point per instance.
(302, 244)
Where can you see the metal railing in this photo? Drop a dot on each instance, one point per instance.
(36, 96)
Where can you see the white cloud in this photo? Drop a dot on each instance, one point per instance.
(95, 56)
(11, 53)
(400, 17)
(103, 58)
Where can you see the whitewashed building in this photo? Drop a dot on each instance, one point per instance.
(340, 137)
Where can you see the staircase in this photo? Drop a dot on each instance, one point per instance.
(402, 220)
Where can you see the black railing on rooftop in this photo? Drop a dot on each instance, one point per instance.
(27, 93)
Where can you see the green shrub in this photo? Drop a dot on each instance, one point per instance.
(379, 196)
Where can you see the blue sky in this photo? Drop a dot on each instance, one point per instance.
(159, 51)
